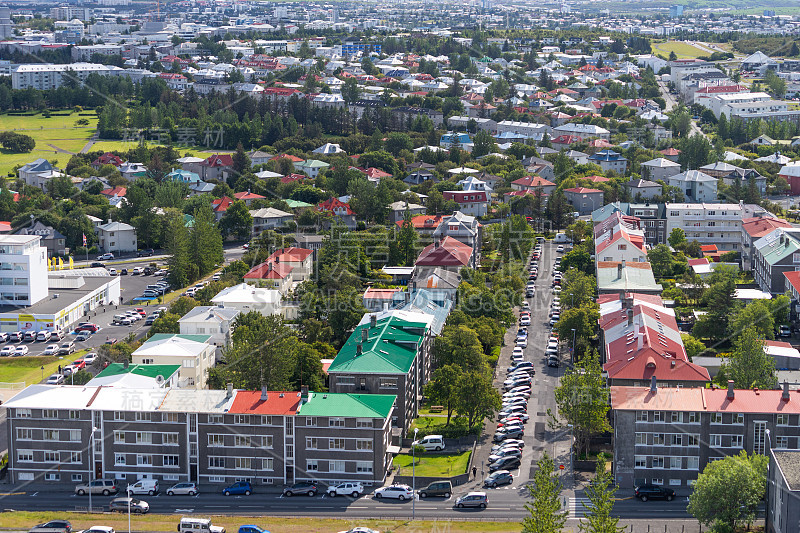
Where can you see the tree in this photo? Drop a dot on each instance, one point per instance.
(205, 249)
(601, 492)
(582, 400)
(578, 288)
(583, 319)
(176, 243)
(676, 237)
(17, 142)
(546, 513)
(441, 390)
(729, 492)
(166, 323)
(483, 143)
(308, 369)
(236, 221)
(407, 240)
(661, 260)
(693, 346)
(396, 142)
(351, 92)
(241, 163)
(756, 315)
(748, 365)
(458, 345)
(476, 397)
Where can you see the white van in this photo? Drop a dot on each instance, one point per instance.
(431, 442)
(144, 486)
(561, 238)
(198, 525)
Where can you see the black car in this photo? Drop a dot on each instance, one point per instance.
(123, 272)
(647, 492)
(96, 265)
(145, 253)
(506, 463)
(147, 271)
(309, 489)
(53, 526)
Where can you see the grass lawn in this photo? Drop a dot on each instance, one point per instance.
(681, 49)
(433, 465)
(124, 146)
(431, 421)
(20, 520)
(28, 369)
(58, 131)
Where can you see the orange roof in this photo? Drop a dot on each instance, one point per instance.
(595, 179)
(269, 270)
(424, 221)
(582, 190)
(247, 195)
(709, 248)
(794, 279)
(277, 403)
(290, 255)
(116, 191)
(379, 294)
(701, 399)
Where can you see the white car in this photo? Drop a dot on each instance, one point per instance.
(517, 352)
(112, 271)
(137, 270)
(7, 350)
(98, 529)
(560, 249)
(522, 342)
(21, 350)
(89, 358)
(525, 321)
(351, 488)
(51, 349)
(55, 379)
(398, 492)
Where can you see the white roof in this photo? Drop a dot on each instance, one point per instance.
(408, 316)
(751, 294)
(126, 381)
(781, 351)
(264, 174)
(247, 294)
(172, 346)
(209, 313)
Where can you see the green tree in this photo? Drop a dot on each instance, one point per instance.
(396, 142)
(476, 397)
(205, 248)
(458, 345)
(407, 240)
(693, 346)
(308, 369)
(756, 315)
(583, 319)
(578, 258)
(582, 400)
(166, 323)
(578, 289)
(547, 514)
(729, 492)
(676, 237)
(748, 365)
(601, 492)
(241, 163)
(351, 92)
(236, 221)
(483, 143)
(661, 260)
(441, 390)
(176, 243)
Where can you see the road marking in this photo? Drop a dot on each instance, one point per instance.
(184, 510)
(34, 494)
(13, 493)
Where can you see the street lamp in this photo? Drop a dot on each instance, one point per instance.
(413, 476)
(769, 460)
(89, 461)
(128, 491)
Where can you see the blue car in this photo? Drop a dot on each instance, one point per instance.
(251, 529)
(240, 487)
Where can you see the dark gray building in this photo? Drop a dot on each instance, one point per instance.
(783, 491)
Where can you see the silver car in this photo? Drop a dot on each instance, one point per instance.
(186, 488)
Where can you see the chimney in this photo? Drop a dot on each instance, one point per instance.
(364, 335)
(630, 317)
(359, 349)
(277, 259)
(639, 339)
(653, 385)
(785, 394)
(373, 320)
(304, 393)
(230, 391)
(264, 395)
(436, 243)
(270, 267)
(730, 390)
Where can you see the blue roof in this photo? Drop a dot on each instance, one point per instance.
(185, 176)
(462, 138)
(422, 301)
(607, 155)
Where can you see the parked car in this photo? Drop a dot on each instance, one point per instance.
(105, 257)
(7, 350)
(784, 331)
(83, 336)
(351, 488)
(136, 271)
(437, 488)
(250, 528)
(30, 336)
(88, 327)
(89, 358)
(51, 349)
(98, 529)
(55, 379)
(430, 442)
(505, 463)
(498, 477)
(398, 492)
(649, 491)
(307, 488)
(505, 452)
(186, 488)
(511, 433)
(21, 350)
(145, 253)
(53, 526)
(143, 486)
(43, 336)
(473, 499)
(112, 271)
(97, 486)
(240, 487)
(123, 503)
(198, 525)
(67, 348)
(97, 265)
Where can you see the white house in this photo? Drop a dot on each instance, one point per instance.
(194, 353)
(117, 237)
(697, 186)
(214, 321)
(246, 298)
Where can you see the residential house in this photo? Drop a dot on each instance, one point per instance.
(465, 229)
(643, 189)
(660, 169)
(51, 238)
(38, 173)
(609, 160)
(132, 171)
(754, 228)
(375, 300)
(585, 131)
(212, 320)
(106, 159)
(424, 224)
(340, 210)
(216, 167)
(731, 174)
(532, 183)
(697, 186)
(617, 277)
(125, 375)
(774, 254)
(312, 167)
(397, 211)
(193, 353)
(449, 254)
(418, 177)
(584, 200)
(272, 275)
(269, 218)
(184, 176)
(620, 242)
(246, 298)
(300, 259)
(475, 203)
(116, 237)
(258, 158)
(783, 487)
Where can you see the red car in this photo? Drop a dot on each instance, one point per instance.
(79, 364)
(141, 311)
(91, 328)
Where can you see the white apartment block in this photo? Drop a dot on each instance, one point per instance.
(717, 102)
(719, 224)
(44, 77)
(195, 356)
(23, 268)
(531, 129)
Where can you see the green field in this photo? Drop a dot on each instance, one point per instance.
(681, 49)
(124, 146)
(433, 465)
(29, 369)
(56, 138)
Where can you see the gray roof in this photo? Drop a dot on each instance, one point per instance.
(692, 175)
(660, 162)
(212, 313)
(116, 226)
(789, 464)
(639, 184)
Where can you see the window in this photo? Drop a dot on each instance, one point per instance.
(658, 461)
(144, 460)
(215, 419)
(241, 419)
(693, 463)
(346, 380)
(658, 439)
(658, 416)
(73, 457)
(363, 444)
(693, 440)
(52, 477)
(119, 415)
(676, 439)
(693, 417)
(170, 460)
(675, 463)
(119, 437)
(77, 478)
(364, 423)
(119, 459)
(142, 416)
(216, 462)
(190, 363)
(736, 441)
(144, 437)
(676, 416)
(783, 420)
(169, 439)
(312, 443)
(641, 416)
(50, 434)
(74, 415)
(23, 413)
(336, 422)
(657, 481)
(715, 441)
(312, 465)
(244, 463)
(364, 467)
(782, 442)
(49, 413)
(388, 383)
(170, 417)
(739, 418)
(716, 418)
(75, 435)
(51, 457)
(336, 466)
(24, 434)
(640, 461)
(241, 441)
(641, 438)
(25, 456)
(215, 440)
(267, 441)
(268, 464)
(336, 444)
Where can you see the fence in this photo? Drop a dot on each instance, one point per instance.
(5, 385)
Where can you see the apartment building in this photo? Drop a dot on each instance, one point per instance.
(463, 228)
(667, 435)
(753, 228)
(23, 266)
(387, 353)
(773, 254)
(43, 77)
(719, 224)
(71, 434)
(765, 109)
(193, 353)
(695, 185)
(212, 320)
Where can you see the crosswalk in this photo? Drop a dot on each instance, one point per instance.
(578, 507)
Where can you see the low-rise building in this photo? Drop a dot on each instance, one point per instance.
(246, 298)
(449, 254)
(51, 238)
(660, 169)
(117, 237)
(475, 203)
(642, 190)
(696, 185)
(754, 228)
(620, 277)
(268, 218)
(215, 321)
(583, 199)
(192, 352)
(772, 255)
(610, 160)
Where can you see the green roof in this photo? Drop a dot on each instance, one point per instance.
(296, 204)
(357, 405)
(313, 163)
(195, 338)
(390, 348)
(149, 371)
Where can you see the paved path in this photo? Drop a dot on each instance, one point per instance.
(88, 145)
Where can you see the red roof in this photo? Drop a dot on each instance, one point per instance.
(671, 151)
(270, 270)
(533, 181)
(277, 403)
(116, 191)
(582, 190)
(709, 248)
(595, 179)
(465, 197)
(450, 252)
(5, 227)
(291, 178)
(292, 158)
(218, 160)
(379, 294)
(700, 399)
(696, 262)
(717, 89)
(618, 235)
(290, 255)
(335, 206)
(757, 227)
(600, 143)
(567, 139)
(794, 279)
(424, 221)
(221, 205)
(247, 196)
(108, 159)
